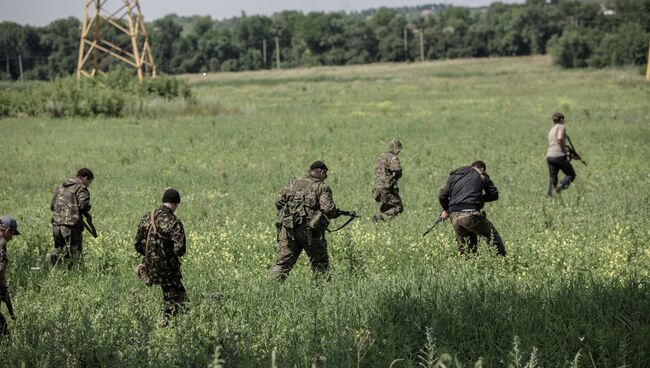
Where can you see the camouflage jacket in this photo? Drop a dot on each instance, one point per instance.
(387, 171)
(163, 246)
(69, 201)
(303, 199)
(3, 264)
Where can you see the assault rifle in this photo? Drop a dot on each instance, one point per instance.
(572, 152)
(4, 297)
(351, 214)
(87, 220)
(439, 220)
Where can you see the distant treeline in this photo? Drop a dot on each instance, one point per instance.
(576, 34)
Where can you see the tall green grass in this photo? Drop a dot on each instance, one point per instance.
(572, 292)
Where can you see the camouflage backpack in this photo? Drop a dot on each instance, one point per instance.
(296, 211)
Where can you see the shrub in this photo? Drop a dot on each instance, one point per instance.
(571, 50)
(628, 45)
(105, 95)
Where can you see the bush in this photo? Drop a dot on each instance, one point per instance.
(628, 45)
(105, 95)
(572, 49)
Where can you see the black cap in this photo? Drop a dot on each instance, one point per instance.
(318, 165)
(171, 195)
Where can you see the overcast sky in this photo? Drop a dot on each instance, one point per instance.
(42, 12)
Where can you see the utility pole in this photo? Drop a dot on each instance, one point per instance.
(95, 46)
(421, 44)
(20, 66)
(406, 45)
(277, 52)
(647, 72)
(264, 51)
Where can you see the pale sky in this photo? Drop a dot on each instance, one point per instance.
(42, 12)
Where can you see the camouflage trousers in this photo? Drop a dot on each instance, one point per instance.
(68, 245)
(468, 225)
(391, 203)
(174, 298)
(291, 242)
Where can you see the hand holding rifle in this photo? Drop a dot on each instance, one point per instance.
(573, 155)
(444, 215)
(351, 214)
(88, 224)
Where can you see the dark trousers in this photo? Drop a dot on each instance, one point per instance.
(4, 330)
(555, 165)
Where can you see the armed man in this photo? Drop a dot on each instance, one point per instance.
(70, 205)
(8, 228)
(305, 207)
(558, 155)
(387, 171)
(160, 238)
(462, 198)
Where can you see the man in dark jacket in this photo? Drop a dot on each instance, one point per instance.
(160, 238)
(462, 198)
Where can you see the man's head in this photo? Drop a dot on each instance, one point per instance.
(171, 198)
(86, 176)
(318, 170)
(395, 146)
(8, 227)
(479, 166)
(558, 118)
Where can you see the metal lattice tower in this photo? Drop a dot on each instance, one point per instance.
(119, 35)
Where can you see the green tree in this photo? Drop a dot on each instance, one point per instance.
(165, 36)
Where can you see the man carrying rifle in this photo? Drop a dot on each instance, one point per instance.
(462, 199)
(70, 205)
(558, 155)
(8, 228)
(305, 207)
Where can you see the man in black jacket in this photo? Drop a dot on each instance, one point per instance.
(462, 199)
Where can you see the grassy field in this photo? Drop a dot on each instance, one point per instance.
(574, 290)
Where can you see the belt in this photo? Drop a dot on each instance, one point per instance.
(466, 211)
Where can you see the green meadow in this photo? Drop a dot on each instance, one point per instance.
(574, 290)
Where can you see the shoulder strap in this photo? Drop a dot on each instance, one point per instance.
(152, 226)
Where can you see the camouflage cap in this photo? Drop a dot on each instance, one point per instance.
(318, 165)
(7, 221)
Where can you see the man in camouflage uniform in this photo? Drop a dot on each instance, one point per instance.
(8, 228)
(462, 198)
(305, 207)
(70, 203)
(160, 238)
(387, 171)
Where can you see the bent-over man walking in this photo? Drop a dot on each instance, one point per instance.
(462, 198)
